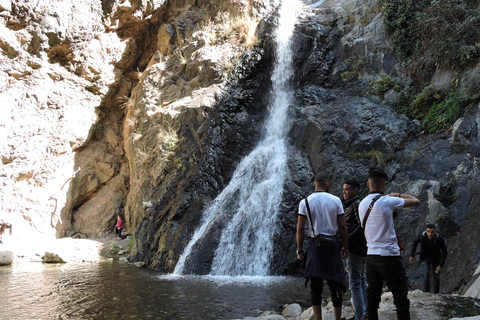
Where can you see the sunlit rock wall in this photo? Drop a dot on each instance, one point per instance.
(68, 79)
(57, 62)
(181, 59)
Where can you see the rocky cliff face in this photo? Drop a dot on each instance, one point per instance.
(347, 125)
(57, 65)
(145, 108)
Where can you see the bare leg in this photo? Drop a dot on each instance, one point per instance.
(338, 312)
(317, 310)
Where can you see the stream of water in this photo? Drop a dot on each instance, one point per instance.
(250, 203)
(115, 290)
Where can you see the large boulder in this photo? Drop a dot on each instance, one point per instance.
(49, 257)
(292, 310)
(6, 258)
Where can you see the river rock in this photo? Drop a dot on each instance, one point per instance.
(6, 258)
(266, 317)
(273, 317)
(139, 264)
(308, 314)
(52, 258)
(473, 290)
(292, 310)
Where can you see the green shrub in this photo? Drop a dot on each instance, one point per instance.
(436, 109)
(400, 22)
(355, 66)
(383, 84)
(423, 101)
(442, 32)
(442, 218)
(131, 242)
(443, 114)
(451, 32)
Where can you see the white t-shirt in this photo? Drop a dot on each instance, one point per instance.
(324, 208)
(380, 229)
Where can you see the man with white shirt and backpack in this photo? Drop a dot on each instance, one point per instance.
(384, 262)
(323, 258)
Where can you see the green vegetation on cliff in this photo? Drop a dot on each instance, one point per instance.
(428, 35)
(437, 109)
(440, 32)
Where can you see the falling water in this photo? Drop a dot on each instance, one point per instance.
(250, 203)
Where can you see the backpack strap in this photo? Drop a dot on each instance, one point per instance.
(370, 209)
(309, 214)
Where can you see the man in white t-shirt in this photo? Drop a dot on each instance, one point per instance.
(324, 263)
(384, 262)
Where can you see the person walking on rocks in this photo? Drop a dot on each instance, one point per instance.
(357, 246)
(433, 253)
(323, 259)
(384, 262)
(119, 227)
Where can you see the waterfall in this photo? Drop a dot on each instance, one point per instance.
(250, 203)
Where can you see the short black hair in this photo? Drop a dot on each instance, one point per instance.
(354, 183)
(322, 178)
(430, 226)
(377, 174)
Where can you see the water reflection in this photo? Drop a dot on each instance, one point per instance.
(114, 290)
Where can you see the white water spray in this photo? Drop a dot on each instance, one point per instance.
(251, 200)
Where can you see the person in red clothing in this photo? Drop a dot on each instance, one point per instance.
(119, 227)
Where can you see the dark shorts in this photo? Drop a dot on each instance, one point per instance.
(325, 264)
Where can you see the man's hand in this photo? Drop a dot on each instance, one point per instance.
(410, 260)
(345, 253)
(437, 270)
(300, 256)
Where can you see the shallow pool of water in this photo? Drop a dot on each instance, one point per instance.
(115, 290)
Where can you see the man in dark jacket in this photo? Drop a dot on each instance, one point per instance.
(433, 253)
(357, 245)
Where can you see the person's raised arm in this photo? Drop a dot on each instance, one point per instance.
(410, 201)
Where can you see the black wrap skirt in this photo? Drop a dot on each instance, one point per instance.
(324, 263)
